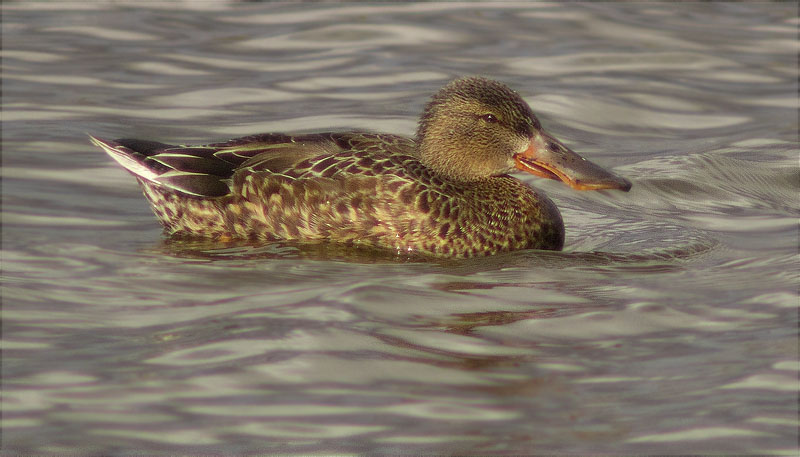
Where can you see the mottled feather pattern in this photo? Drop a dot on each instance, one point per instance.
(374, 192)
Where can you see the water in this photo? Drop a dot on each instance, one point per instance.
(667, 326)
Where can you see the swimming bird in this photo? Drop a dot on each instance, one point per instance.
(444, 193)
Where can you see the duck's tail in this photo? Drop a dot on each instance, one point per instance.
(130, 159)
(156, 163)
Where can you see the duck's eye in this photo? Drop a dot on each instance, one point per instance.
(490, 118)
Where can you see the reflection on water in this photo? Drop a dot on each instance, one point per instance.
(667, 326)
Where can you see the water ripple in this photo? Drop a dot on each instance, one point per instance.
(667, 325)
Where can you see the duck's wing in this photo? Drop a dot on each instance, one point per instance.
(348, 174)
(338, 155)
(206, 170)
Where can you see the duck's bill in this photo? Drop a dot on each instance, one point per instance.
(548, 158)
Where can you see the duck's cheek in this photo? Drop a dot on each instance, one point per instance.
(510, 165)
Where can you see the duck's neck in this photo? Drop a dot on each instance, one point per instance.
(440, 152)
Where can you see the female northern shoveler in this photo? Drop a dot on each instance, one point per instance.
(444, 193)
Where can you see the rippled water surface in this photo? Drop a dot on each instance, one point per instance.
(667, 326)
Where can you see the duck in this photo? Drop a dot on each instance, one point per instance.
(447, 192)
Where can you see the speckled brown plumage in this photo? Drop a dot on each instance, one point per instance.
(436, 196)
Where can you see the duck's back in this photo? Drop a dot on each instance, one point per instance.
(355, 188)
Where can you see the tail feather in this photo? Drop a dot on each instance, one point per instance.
(130, 159)
(144, 147)
(198, 184)
(151, 161)
(207, 164)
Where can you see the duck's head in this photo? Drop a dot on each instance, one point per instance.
(476, 128)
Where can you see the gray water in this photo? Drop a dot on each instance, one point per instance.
(668, 325)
